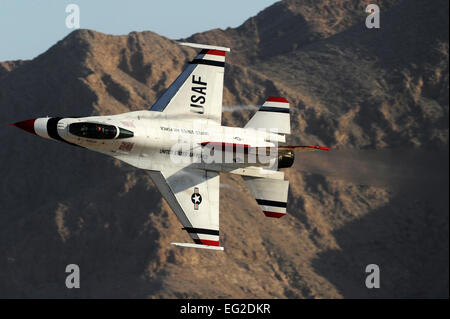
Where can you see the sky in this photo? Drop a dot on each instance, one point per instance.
(28, 28)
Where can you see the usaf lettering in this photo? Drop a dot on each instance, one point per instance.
(199, 99)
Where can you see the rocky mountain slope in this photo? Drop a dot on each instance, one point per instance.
(379, 98)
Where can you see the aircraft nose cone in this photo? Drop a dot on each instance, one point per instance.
(27, 125)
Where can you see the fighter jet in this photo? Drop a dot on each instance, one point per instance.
(181, 143)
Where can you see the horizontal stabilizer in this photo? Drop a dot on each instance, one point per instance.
(204, 46)
(197, 246)
(270, 194)
(273, 116)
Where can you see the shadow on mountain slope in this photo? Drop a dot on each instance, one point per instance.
(407, 239)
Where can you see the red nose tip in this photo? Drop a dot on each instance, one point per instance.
(27, 125)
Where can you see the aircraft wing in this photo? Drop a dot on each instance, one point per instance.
(193, 195)
(197, 92)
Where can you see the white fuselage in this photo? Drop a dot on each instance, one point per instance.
(158, 138)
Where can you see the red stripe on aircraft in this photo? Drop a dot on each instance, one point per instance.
(273, 214)
(277, 99)
(207, 242)
(210, 242)
(216, 52)
(317, 147)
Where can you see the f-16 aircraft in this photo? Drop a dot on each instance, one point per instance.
(181, 143)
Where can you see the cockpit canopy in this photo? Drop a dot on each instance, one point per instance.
(98, 131)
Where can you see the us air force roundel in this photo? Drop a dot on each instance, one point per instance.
(196, 198)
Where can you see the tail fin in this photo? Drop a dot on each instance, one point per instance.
(270, 194)
(273, 114)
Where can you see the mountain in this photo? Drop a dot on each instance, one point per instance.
(378, 97)
(379, 91)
